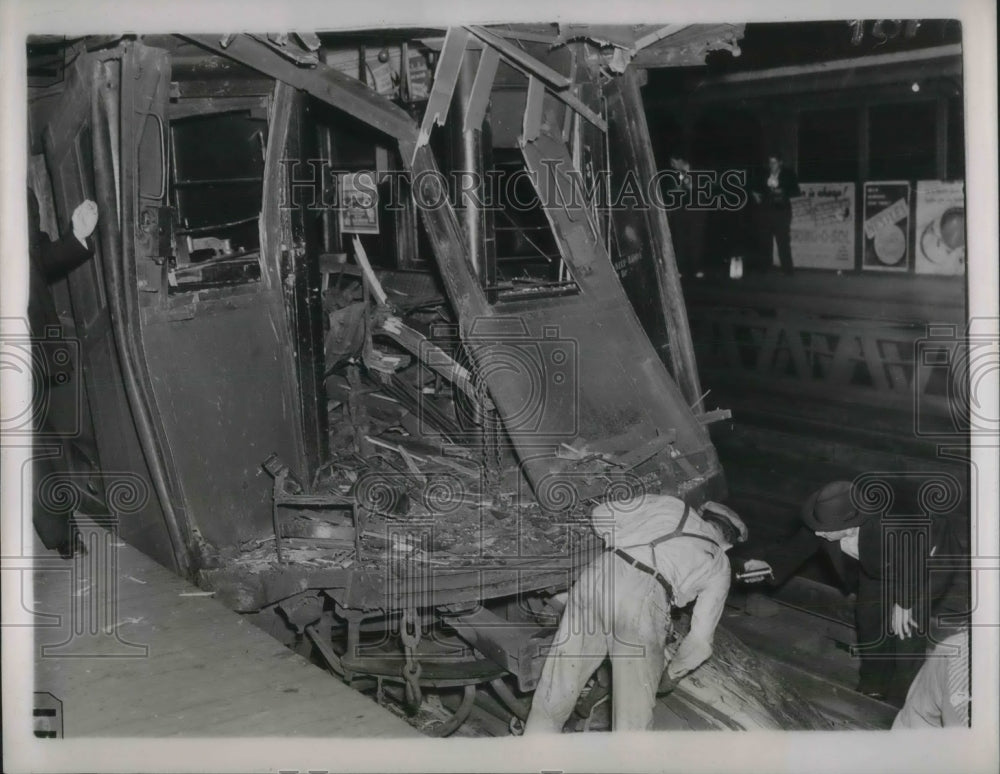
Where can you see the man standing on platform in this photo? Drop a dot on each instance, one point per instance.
(773, 193)
(687, 220)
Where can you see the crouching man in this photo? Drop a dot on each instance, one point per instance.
(661, 553)
(896, 603)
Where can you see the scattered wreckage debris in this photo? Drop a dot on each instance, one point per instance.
(397, 398)
(440, 415)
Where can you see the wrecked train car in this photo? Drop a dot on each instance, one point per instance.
(366, 318)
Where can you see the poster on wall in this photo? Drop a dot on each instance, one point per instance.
(886, 241)
(358, 212)
(823, 222)
(940, 234)
(418, 77)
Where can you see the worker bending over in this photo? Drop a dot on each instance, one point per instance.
(661, 553)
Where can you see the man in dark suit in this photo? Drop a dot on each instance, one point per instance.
(886, 568)
(773, 193)
(687, 219)
(53, 373)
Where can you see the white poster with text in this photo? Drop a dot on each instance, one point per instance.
(823, 222)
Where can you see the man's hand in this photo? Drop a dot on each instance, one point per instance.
(672, 675)
(902, 623)
(667, 684)
(84, 220)
(754, 571)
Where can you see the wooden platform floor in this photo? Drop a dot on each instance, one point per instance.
(820, 667)
(131, 649)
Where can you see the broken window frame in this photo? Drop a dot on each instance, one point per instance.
(544, 84)
(184, 239)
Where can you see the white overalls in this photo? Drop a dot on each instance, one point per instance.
(619, 608)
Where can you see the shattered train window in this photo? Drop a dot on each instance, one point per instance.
(528, 263)
(217, 175)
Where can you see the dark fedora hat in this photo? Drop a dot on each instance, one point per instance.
(832, 508)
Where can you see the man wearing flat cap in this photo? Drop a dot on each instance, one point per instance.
(890, 637)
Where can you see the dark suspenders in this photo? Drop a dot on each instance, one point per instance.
(657, 575)
(679, 532)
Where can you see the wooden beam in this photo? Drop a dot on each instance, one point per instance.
(658, 35)
(528, 37)
(521, 59)
(533, 110)
(682, 358)
(953, 51)
(685, 45)
(321, 81)
(570, 99)
(715, 415)
(447, 240)
(864, 161)
(561, 85)
(446, 73)
(482, 86)
(825, 90)
(941, 137)
(369, 274)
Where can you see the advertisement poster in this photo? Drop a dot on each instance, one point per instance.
(940, 235)
(418, 77)
(823, 222)
(358, 203)
(886, 237)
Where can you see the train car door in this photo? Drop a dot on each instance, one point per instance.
(200, 232)
(68, 146)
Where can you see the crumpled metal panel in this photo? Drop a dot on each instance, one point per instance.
(621, 397)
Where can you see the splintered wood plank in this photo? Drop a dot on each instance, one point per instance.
(181, 663)
(737, 688)
(445, 77)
